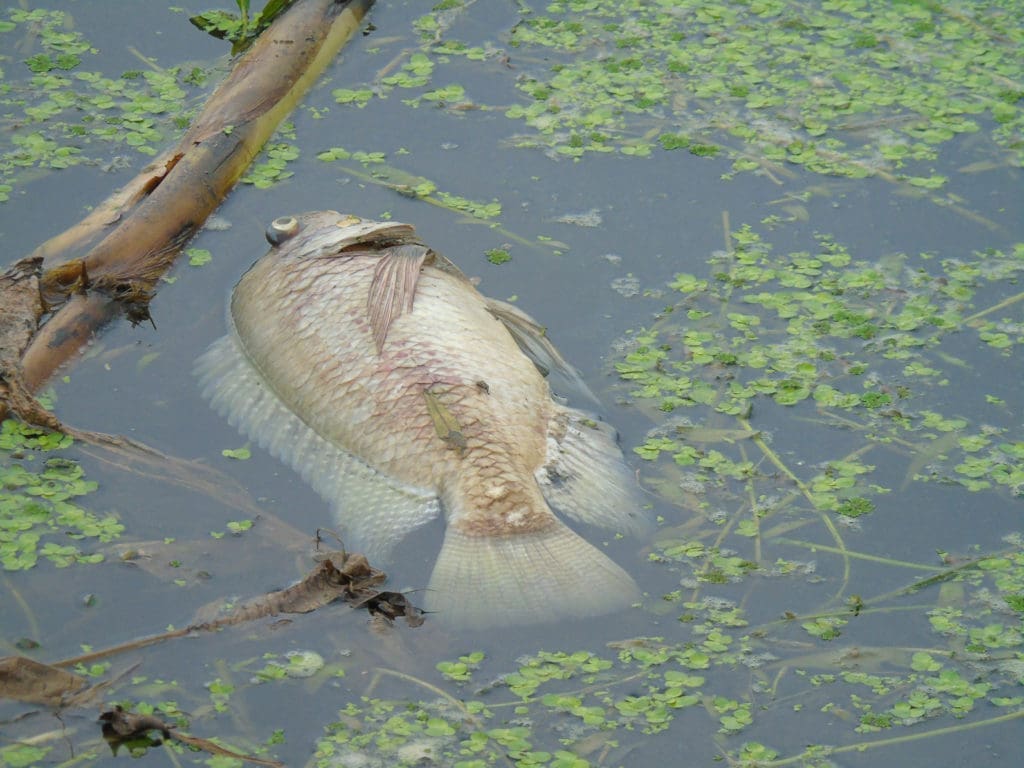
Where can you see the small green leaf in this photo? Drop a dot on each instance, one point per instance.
(498, 256)
(197, 257)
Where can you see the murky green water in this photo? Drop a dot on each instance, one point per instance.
(811, 457)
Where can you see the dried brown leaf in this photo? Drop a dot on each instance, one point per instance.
(24, 679)
(445, 423)
(355, 582)
(120, 726)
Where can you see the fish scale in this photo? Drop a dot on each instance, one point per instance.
(401, 391)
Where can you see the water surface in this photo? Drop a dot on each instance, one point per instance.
(776, 613)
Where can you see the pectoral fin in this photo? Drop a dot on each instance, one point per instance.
(393, 287)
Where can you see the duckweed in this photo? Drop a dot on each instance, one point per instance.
(39, 513)
(822, 337)
(639, 687)
(757, 82)
(66, 115)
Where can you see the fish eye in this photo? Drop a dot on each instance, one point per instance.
(281, 229)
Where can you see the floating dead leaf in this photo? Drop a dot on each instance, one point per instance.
(445, 423)
(121, 726)
(355, 582)
(24, 679)
(321, 586)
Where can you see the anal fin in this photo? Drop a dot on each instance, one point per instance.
(585, 476)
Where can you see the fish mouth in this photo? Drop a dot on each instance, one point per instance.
(368, 234)
(329, 234)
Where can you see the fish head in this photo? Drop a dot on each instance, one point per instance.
(325, 234)
(306, 250)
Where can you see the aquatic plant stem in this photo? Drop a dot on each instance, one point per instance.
(1001, 305)
(379, 672)
(113, 650)
(752, 501)
(855, 555)
(381, 180)
(939, 578)
(831, 526)
(894, 740)
(172, 754)
(714, 546)
(30, 616)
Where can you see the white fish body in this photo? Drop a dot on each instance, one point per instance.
(375, 368)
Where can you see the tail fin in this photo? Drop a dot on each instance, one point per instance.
(524, 579)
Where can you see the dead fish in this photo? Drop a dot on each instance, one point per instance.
(373, 366)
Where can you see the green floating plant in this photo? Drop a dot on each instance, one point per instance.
(411, 186)
(198, 257)
(470, 733)
(498, 256)
(273, 166)
(65, 115)
(240, 29)
(860, 348)
(758, 81)
(460, 670)
(39, 517)
(360, 97)
(555, 705)
(573, 707)
(862, 341)
(23, 755)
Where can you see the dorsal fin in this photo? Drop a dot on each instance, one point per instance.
(534, 343)
(393, 287)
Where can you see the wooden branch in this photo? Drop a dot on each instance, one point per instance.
(145, 224)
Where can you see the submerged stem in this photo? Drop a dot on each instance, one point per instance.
(775, 459)
(1001, 305)
(855, 555)
(894, 740)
